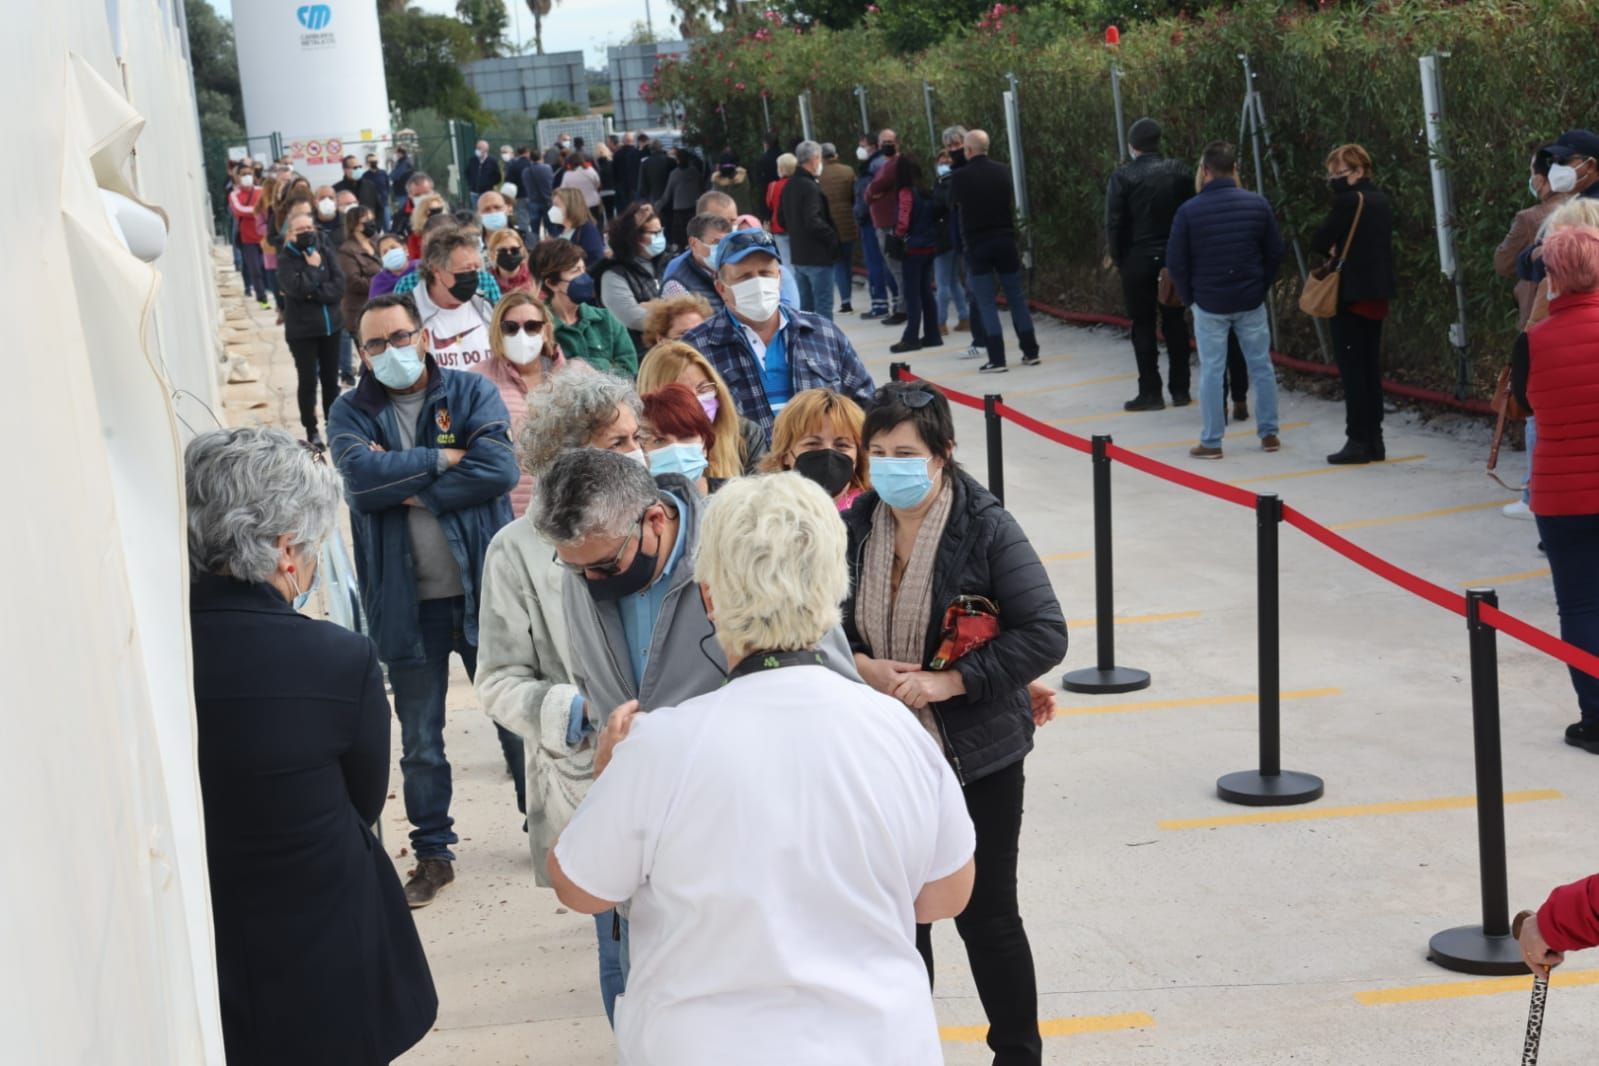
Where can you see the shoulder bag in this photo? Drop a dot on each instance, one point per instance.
(1319, 299)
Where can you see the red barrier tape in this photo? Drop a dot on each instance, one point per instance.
(1448, 599)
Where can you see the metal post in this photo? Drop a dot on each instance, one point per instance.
(1488, 948)
(996, 445)
(275, 145)
(866, 122)
(1105, 676)
(1443, 206)
(455, 159)
(1121, 119)
(1018, 165)
(766, 112)
(927, 103)
(1271, 785)
(805, 114)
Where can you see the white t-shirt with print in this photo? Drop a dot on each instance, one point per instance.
(460, 336)
(773, 836)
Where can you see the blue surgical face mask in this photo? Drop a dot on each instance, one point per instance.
(394, 260)
(356, 174)
(901, 483)
(1532, 187)
(942, 168)
(580, 290)
(493, 220)
(398, 368)
(687, 459)
(303, 598)
(656, 246)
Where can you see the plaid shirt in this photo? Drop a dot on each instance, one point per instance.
(820, 356)
(487, 287)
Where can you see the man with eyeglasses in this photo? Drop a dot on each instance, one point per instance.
(427, 463)
(690, 273)
(765, 350)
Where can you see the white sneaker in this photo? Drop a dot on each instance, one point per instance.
(1517, 510)
(974, 352)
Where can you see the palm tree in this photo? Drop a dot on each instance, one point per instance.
(540, 8)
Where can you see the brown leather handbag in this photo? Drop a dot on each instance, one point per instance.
(1319, 299)
(1166, 291)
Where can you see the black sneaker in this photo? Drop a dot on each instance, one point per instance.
(876, 312)
(425, 881)
(1030, 360)
(1353, 453)
(314, 439)
(845, 309)
(347, 379)
(992, 368)
(1584, 735)
(905, 346)
(1144, 403)
(1181, 399)
(898, 318)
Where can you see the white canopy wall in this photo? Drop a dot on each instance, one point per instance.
(106, 921)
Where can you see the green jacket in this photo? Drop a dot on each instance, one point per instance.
(600, 340)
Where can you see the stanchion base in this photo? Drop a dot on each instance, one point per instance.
(1116, 679)
(1255, 789)
(1468, 949)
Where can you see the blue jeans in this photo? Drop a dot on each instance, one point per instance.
(612, 979)
(879, 284)
(815, 289)
(991, 264)
(1572, 543)
(420, 688)
(946, 275)
(844, 271)
(784, 250)
(1254, 337)
(1532, 440)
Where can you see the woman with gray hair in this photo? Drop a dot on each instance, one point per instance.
(783, 928)
(318, 960)
(523, 679)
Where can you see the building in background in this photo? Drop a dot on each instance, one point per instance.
(517, 85)
(632, 67)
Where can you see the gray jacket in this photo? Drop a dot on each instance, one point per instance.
(684, 661)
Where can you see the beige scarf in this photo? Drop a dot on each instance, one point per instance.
(894, 624)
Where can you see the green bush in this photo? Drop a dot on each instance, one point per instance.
(1518, 72)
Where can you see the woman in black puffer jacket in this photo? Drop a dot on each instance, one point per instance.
(924, 536)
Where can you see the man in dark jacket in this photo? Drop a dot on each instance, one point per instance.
(1141, 201)
(813, 241)
(655, 172)
(624, 172)
(482, 171)
(516, 174)
(986, 201)
(1223, 255)
(427, 462)
(400, 172)
(690, 274)
(377, 180)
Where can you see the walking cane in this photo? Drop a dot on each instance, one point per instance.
(1540, 995)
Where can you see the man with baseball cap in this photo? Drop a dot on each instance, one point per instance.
(768, 351)
(1574, 168)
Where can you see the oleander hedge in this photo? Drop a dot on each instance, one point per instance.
(1517, 73)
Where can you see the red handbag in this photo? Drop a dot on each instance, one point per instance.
(969, 623)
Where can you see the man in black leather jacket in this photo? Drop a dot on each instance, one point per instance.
(1140, 202)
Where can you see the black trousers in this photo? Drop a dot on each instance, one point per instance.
(1357, 344)
(1141, 288)
(316, 359)
(991, 926)
(1235, 380)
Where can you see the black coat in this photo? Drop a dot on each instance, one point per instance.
(809, 224)
(311, 294)
(1140, 202)
(624, 174)
(1369, 267)
(983, 553)
(482, 175)
(318, 960)
(654, 173)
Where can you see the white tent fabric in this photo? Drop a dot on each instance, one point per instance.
(107, 921)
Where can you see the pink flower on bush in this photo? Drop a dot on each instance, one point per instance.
(739, 86)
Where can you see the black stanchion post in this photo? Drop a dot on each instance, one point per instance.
(996, 446)
(1105, 676)
(1271, 785)
(895, 368)
(1488, 948)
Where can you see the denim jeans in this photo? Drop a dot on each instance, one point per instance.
(815, 289)
(879, 283)
(946, 275)
(991, 925)
(993, 263)
(1254, 337)
(253, 269)
(893, 268)
(1532, 440)
(612, 980)
(420, 689)
(784, 250)
(844, 271)
(1572, 543)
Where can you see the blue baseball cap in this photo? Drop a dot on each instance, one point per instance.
(742, 243)
(1573, 142)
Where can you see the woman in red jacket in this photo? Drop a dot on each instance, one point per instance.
(1555, 371)
(1568, 921)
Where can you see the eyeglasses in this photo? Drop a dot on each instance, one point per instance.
(740, 240)
(511, 328)
(398, 339)
(612, 566)
(915, 396)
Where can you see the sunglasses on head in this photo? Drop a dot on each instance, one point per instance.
(740, 240)
(511, 328)
(915, 396)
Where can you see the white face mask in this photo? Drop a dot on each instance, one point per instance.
(525, 347)
(246, 180)
(638, 456)
(1562, 178)
(326, 208)
(756, 298)
(556, 216)
(863, 153)
(505, 156)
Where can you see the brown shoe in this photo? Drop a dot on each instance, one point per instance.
(1270, 443)
(1240, 412)
(1199, 451)
(943, 330)
(963, 326)
(425, 881)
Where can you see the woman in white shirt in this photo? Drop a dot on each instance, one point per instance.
(780, 837)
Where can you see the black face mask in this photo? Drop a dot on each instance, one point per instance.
(890, 149)
(828, 468)
(509, 258)
(1338, 185)
(465, 286)
(635, 578)
(305, 242)
(369, 230)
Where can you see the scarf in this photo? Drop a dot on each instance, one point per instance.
(894, 624)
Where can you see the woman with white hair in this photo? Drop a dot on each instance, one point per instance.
(781, 927)
(318, 960)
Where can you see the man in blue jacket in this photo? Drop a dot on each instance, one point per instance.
(1223, 255)
(427, 461)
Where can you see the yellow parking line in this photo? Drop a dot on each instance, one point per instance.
(1310, 814)
(1196, 701)
(1060, 557)
(1324, 470)
(1108, 379)
(1506, 579)
(1190, 441)
(1135, 619)
(1102, 416)
(1102, 1023)
(1484, 987)
(1417, 516)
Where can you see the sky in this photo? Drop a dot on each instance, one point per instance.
(589, 25)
